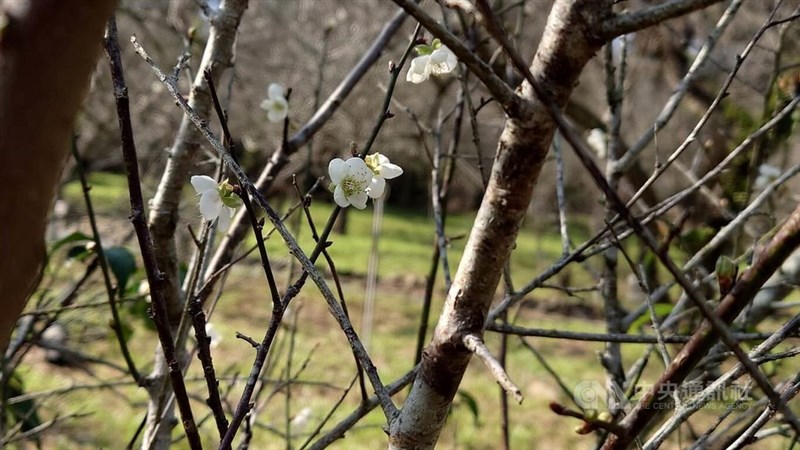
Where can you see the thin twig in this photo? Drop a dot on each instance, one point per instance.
(309, 270)
(116, 321)
(362, 410)
(605, 337)
(476, 345)
(633, 21)
(718, 326)
(155, 277)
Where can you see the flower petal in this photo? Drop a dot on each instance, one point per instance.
(340, 198)
(389, 170)
(225, 216)
(275, 91)
(359, 169)
(337, 170)
(203, 183)
(358, 200)
(452, 60)
(442, 61)
(376, 187)
(418, 70)
(210, 205)
(279, 109)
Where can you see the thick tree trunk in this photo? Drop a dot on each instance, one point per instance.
(47, 51)
(569, 42)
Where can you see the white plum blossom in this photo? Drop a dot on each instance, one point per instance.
(766, 175)
(382, 170)
(356, 180)
(350, 179)
(275, 104)
(217, 200)
(435, 59)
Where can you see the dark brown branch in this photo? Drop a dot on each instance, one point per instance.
(746, 287)
(204, 355)
(716, 323)
(158, 310)
(604, 337)
(629, 22)
(116, 324)
(497, 87)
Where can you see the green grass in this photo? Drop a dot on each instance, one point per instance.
(405, 248)
(109, 192)
(405, 244)
(320, 349)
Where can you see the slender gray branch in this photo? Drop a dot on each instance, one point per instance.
(674, 101)
(386, 403)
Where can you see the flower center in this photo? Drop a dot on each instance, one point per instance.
(352, 185)
(373, 163)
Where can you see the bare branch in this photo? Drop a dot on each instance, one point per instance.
(156, 278)
(497, 87)
(606, 337)
(682, 413)
(634, 21)
(476, 345)
(787, 239)
(522, 148)
(675, 99)
(294, 248)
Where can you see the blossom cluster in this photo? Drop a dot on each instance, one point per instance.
(356, 180)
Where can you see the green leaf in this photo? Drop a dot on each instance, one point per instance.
(471, 403)
(74, 237)
(79, 252)
(423, 49)
(662, 309)
(122, 264)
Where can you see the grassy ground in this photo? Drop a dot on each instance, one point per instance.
(313, 348)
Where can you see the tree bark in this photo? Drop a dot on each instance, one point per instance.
(45, 64)
(569, 42)
(217, 57)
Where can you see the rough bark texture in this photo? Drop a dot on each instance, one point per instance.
(45, 63)
(568, 43)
